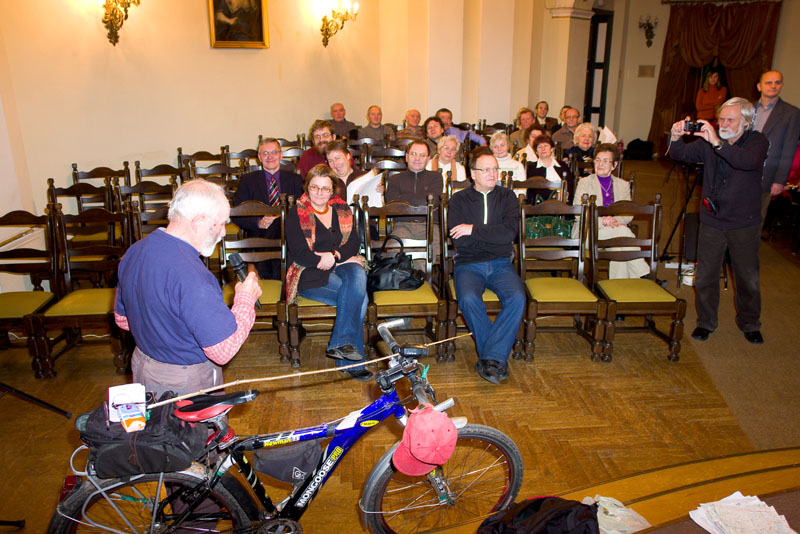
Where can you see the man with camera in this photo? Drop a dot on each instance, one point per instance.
(730, 216)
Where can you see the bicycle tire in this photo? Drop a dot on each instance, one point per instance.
(485, 473)
(134, 498)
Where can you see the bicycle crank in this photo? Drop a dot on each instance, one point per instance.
(280, 526)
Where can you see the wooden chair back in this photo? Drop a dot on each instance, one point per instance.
(149, 195)
(38, 262)
(521, 187)
(162, 174)
(554, 253)
(98, 175)
(85, 195)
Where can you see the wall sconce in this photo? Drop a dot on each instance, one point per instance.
(336, 21)
(116, 13)
(649, 27)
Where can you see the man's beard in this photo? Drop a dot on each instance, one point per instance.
(320, 149)
(726, 133)
(209, 245)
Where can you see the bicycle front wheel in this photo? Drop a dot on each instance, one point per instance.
(144, 504)
(484, 475)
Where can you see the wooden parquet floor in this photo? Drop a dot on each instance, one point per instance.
(577, 422)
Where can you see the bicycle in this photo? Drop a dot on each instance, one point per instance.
(483, 475)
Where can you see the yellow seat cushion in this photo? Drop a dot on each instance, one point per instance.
(635, 290)
(94, 301)
(15, 304)
(270, 292)
(304, 302)
(549, 289)
(422, 295)
(488, 295)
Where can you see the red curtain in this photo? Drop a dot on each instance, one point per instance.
(741, 35)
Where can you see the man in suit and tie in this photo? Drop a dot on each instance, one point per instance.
(267, 185)
(780, 122)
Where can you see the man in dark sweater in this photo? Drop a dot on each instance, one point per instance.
(483, 223)
(730, 218)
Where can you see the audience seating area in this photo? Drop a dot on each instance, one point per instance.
(89, 225)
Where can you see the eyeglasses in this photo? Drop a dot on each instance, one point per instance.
(419, 154)
(270, 153)
(317, 189)
(322, 136)
(487, 170)
(603, 160)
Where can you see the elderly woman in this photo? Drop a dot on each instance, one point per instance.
(547, 166)
(499, 145)
(531, 133)
(445, 160)
(609, 189)
(323, 246)
(584, 138)
(432, 131)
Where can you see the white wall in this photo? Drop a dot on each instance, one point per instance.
(786, 51)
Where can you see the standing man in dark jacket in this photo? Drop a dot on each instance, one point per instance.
(267, 185)
(780, 122)
(730, 218)
(483, 223)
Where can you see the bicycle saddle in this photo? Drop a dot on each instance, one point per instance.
(204, 407)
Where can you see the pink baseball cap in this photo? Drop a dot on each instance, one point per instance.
(428, 441)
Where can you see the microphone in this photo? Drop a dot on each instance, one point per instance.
(238, 266)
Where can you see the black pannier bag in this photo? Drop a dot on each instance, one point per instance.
(543, 515)
(165, 444)
(393, 271)
(290, 463)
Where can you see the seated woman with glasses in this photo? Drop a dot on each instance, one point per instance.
(323, 245)
(608, 189)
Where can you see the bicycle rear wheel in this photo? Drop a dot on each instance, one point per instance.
(142, 505)
(484, 474)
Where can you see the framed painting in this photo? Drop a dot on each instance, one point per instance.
(238, 23)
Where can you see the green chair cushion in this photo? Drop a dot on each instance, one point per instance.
(96, 301)
(549, 289)
(422, 295)
(15, 304)
(635, 290)
(270, 292)
(488, 295)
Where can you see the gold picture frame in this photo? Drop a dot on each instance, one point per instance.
(238, 23)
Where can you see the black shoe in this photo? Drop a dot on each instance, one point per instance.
(754, 337)
(346, 352)
(701, 334)
(362, 375)
(492, 370)
(662, 283)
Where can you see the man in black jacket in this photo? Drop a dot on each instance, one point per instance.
(266, 185)
(730, 218)
(483, 223)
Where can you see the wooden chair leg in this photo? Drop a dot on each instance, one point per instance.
(294, 336)
(676, 331)
(40, 348)
(441, 330)
(371, 330)
(530, 330)
(609, 325)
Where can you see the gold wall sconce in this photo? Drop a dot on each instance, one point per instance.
(116, 14)
(649, 27)
(336, 21)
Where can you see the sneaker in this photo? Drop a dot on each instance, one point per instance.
(492, 370)
(346, 352)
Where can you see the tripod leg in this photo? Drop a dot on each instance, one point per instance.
(18, 524)
(29, 398)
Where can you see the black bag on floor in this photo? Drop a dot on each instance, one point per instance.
(543, 515)
(393, 271)
(165, 444)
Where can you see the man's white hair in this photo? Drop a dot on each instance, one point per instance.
(748, 111)
(196, 197)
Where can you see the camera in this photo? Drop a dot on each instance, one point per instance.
(692, 126)
(710, 205)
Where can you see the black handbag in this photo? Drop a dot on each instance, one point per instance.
(393, 271)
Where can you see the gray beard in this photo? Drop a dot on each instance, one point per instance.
(727, 134)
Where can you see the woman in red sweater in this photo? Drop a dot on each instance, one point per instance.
(710, 96)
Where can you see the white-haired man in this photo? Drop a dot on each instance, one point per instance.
(730, 218)
(173, 304)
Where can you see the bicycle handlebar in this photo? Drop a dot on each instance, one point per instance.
(386, 335)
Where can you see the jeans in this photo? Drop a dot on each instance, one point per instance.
(493, 341)
(743, 245)
(347, 290)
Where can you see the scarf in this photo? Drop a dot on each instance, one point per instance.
(308, 224)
